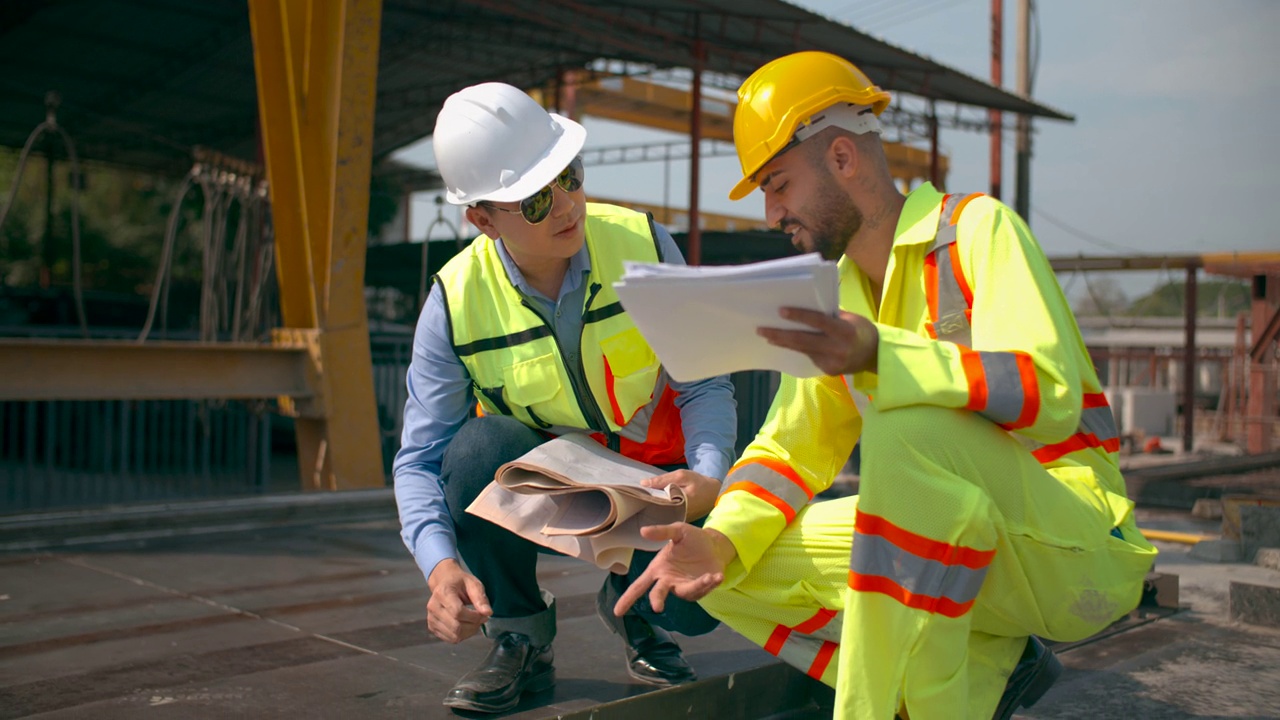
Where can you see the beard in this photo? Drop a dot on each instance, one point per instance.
(834, 221)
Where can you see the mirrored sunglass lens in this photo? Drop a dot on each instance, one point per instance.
(571, 178)
(536, 207)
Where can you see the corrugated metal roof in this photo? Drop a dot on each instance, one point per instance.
(143, 81)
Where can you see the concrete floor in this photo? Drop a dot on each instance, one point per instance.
(327, 621)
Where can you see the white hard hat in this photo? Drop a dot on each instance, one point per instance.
(494, 142)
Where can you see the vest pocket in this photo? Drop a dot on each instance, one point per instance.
(631, 370)
(531, 383)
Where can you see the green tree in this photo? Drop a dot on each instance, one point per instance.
(1214, 298)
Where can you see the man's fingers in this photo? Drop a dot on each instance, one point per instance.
(662, 532)
(661, 481)
(658, 596)
(633, 593)
(475, 592)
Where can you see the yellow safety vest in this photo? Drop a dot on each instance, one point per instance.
(517, 365)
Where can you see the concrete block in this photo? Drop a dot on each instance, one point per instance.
(1254, 604)
(1231, 505)
(1207, 508)
(1160, 590)
(1223, 551)
(1259, 528)
(1267, 557)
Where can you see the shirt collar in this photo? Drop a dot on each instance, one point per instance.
(579, 266)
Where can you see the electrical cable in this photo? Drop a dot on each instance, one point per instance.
(50, 124)
(1084, 235)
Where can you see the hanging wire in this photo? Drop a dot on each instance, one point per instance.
(426, 247)
(51, 102)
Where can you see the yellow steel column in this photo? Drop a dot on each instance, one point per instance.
(316, 63)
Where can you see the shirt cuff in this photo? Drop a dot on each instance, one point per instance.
(431, 549)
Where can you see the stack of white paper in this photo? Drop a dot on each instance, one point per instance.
(701, 321)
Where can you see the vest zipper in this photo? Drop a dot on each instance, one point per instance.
(591, 413)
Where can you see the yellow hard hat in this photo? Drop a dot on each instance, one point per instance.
(782, 95)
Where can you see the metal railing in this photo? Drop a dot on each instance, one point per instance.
(63, 454)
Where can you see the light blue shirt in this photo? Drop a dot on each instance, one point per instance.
(440, 400)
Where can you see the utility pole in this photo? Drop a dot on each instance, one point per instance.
(1022, 196)
(997, 78)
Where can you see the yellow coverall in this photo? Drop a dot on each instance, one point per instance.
(991, 504)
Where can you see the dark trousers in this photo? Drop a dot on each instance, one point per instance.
(507, 563)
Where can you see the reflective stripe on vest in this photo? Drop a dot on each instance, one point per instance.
(810, 645)
(518, 366)
(1097, 431)
(1002, 385)
(916, 571)
(772, 481)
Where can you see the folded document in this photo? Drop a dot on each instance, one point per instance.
(580, 499)
(701, 321)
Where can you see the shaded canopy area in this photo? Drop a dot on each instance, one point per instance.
(143, 82)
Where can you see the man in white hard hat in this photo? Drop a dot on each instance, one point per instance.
(525, 323)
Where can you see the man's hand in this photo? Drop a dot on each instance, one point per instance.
(700, 491)
(691, 565)
(840, 345)
(458, 606)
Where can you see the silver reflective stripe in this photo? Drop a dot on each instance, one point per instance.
(952, 324)
(874, 555)
(777, 484)
(1005, 395)
(829, 631)
(801, 651)
(1099, 422)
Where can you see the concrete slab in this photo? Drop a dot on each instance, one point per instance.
(329, 622)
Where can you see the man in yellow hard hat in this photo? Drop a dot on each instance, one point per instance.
(992, 508)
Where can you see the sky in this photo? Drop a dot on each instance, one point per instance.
(1171, 151)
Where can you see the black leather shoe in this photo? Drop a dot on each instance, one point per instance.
(1034, 674)
(652, 656)
(512, 667)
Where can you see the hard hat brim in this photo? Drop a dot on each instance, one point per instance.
(539, 175)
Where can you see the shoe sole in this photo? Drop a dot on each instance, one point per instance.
(537, 684)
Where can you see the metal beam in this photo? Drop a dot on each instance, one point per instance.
(316, 64)
(100, 370)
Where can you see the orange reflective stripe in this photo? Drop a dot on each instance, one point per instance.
(885, 586)
(777, 639)
(921, 546)
(1093, 400)
(777, 466)
(823, 659)
(613, 399)
(955, 215)
(798, 653)
(817, 622)
(931, 292)
(1079, 441)
(787, 511)
(971, 361)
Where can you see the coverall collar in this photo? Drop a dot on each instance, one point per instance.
(918, 224)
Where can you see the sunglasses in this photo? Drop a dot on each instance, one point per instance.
(537, 206)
